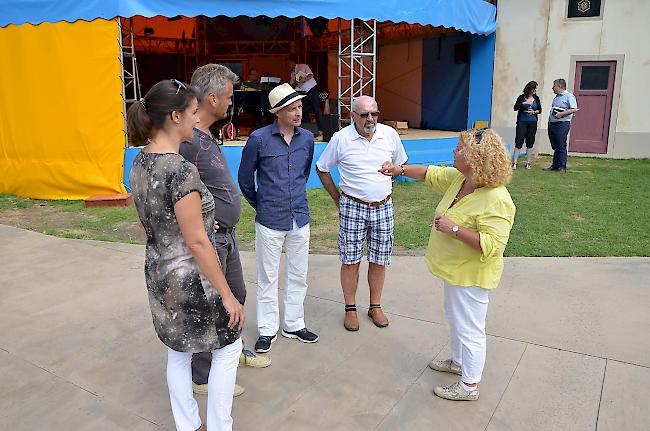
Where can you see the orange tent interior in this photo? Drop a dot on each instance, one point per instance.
(174, 47)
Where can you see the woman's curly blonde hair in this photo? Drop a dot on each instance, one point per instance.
(487, 156)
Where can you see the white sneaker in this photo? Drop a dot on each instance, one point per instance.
(446, 366)
(514, 166)
(455, 392)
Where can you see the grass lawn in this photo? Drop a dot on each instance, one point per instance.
(600, 207)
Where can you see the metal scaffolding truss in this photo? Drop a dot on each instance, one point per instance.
(250, 47)
(130, 81)
(403, 31)
(357, 64)
(164, 45)
(168, 45)
(386, 32)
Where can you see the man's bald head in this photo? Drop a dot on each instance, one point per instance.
(364, 115)
(364, 104)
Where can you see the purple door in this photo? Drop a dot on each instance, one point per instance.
(594, 88)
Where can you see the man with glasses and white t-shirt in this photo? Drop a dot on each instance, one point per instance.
(365, 207)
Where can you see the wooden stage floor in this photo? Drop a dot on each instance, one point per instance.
(412, 134)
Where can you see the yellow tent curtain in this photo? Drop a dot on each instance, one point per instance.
(61, 127)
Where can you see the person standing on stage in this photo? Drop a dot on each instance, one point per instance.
(303, 78)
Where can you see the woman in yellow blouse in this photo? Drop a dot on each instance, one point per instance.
(471, 229)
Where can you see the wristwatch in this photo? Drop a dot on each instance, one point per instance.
(455, 229)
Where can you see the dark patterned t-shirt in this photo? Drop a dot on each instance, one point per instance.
(204, 153)
(187, 311)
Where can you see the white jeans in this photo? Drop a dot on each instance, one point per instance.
(466, 309)
(268, 248)
(221, 384)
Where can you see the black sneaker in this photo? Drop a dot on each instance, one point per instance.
(303, 335)
(263, 344)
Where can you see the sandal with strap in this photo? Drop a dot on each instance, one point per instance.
(377, 315)
(351, 322)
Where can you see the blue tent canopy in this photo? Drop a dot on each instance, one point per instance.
(474, 16)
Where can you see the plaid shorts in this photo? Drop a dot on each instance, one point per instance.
(360, 223)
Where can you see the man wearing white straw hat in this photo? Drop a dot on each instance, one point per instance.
(280, 155)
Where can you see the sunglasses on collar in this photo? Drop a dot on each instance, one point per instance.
(478, 134)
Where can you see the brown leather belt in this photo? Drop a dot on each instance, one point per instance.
(369, 204)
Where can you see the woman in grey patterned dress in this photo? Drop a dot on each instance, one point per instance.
(191, 304)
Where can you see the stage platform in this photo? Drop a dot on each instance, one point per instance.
(412, 134)
(423, 147)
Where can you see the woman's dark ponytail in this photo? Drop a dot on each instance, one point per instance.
(139, 124)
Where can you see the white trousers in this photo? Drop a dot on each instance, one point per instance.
(466, 309)
(268, 248)
(221, 384)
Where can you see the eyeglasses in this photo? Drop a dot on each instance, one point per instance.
(367, 114)
(179, 84)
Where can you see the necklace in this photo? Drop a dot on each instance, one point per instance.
(460, 195)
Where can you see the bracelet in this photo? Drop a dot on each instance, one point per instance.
(402, 174)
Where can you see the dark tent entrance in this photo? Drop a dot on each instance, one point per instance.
(256, 49)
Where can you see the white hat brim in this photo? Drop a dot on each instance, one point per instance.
(287, 103)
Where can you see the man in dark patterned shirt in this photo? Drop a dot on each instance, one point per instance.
(214, 85)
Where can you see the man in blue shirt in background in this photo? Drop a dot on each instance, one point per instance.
(280, 155)
(559, 122)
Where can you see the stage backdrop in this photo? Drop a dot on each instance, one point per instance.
(61, 128)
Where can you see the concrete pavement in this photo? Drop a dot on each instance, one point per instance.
(568, 347)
